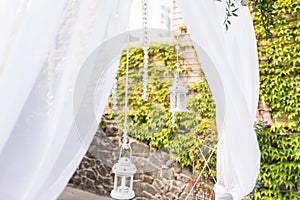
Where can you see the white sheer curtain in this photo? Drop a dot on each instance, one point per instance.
(43, 45)
(229, 59)
(52, 98)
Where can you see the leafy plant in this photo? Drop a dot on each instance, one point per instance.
(231, 10)
(265, 9)
(279, 90)
(280, 171)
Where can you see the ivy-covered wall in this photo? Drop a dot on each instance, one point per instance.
(280, 91)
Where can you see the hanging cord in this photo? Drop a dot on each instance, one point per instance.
(125, 144)
(177, 54)
(176, 76)
(115, 94)
(145, 48)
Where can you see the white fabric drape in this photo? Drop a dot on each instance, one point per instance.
(51, 101)
(230, 62)
(43, 45)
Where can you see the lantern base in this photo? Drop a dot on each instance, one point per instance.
(118, 194)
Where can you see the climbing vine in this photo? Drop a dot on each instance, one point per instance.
(280, 171)
(280, 91)
(264, 10)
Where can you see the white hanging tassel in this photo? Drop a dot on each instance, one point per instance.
(125, 134)
(145, 48)
(173, 119)
(114, 95)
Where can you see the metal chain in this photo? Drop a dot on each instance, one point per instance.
(114, 95)
(177, 54)
(176, 77)
(145, 48)
(125, 134)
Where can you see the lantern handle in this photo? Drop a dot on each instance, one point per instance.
(125, 147)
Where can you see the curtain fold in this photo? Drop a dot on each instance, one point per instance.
(230, 63)
(45, 45)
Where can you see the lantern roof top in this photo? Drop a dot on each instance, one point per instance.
(124, 167)
(178, 87)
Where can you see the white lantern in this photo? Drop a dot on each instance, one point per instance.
(178, 96)
(124, 170)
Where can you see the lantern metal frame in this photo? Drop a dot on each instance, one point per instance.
(123, 169)
(178, 94)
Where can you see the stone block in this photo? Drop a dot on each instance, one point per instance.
(177, 168)
(169, 163)
(148, 167)
(168, 174)
(150, 188)
(157, 184)
(138, 188)
(147, 179)
(140, 150)
(91, 175)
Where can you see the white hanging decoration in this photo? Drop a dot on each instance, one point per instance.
(178, 95)
(145, 48)
(124, 169)
(114, 95)
(177, 91)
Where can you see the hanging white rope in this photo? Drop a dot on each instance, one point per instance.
(114, 95)
(145, 48)
(125, 134)
(173, 95)
(177, 53)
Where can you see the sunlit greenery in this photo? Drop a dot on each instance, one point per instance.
(280, 91)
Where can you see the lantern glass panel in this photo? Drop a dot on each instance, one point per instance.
(182, 101)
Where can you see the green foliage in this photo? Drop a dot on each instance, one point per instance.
(280, 171)
(231, 10)
(264, 8)
(280, 90)
(150, 121)
(280, 64)
(266, 11)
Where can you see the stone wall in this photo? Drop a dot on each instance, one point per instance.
(158, 177)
